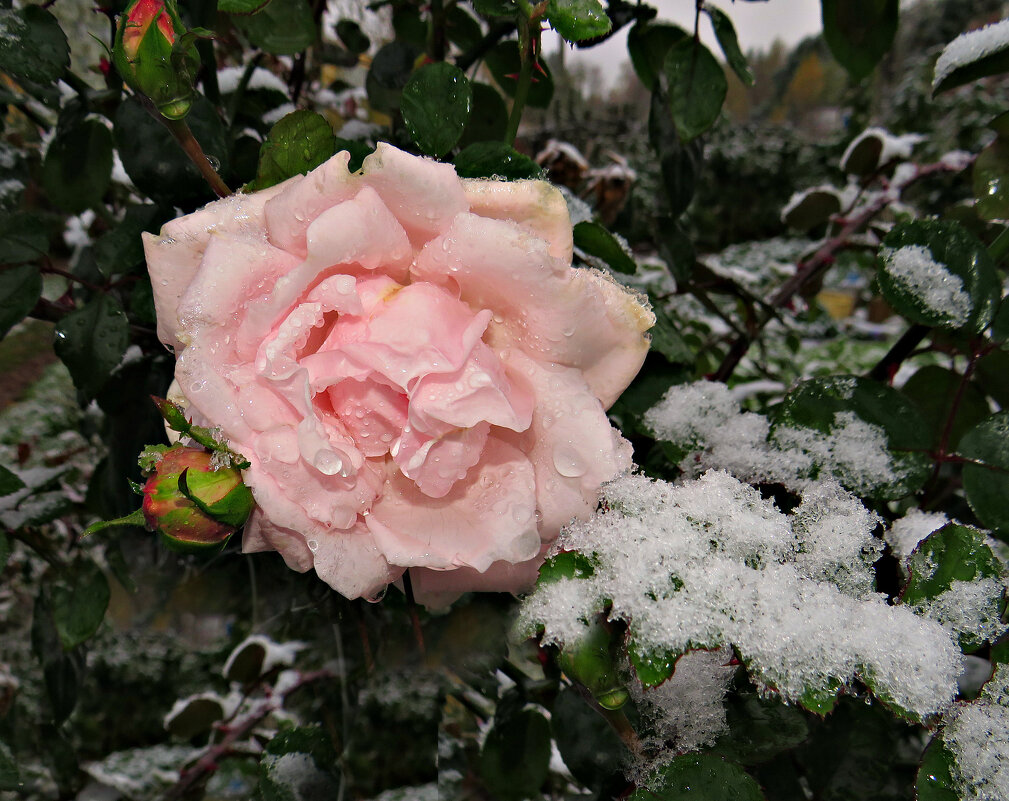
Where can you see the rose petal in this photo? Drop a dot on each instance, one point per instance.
(372, 412)
(575, 317)
(490, 516)
(437, 589)
(423, 194)
(537, 207)
(436, 463)
(351, 563)
(174, 256)
(289, 213)
(570, 443)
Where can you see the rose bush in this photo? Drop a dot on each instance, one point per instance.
(414, 370)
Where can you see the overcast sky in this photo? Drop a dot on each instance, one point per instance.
(757, 24)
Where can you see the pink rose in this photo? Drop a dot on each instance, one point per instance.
(409, 362)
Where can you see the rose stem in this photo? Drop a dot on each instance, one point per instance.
(180, 130)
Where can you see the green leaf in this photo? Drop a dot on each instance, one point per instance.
(241, 6)
(197, 717)
(652, 667)
(389, 72)
(283, 28)
(990, 179)
(566, 565)
(91, 342)
(78, 166)
(987, 485)
(595, 240)
(815, 208)
(933, 390)
(462, 28)
(576, 20)
(503, 62)
(667, 340)
(121, 250)
(935, 776)
(495, 160)
(80, 596)
(33, 47)
(647, 44)
(1000, 323)
(991, 60)
(496, 8)
(814, 404)
(23, 237)
(10, 778)
(488, 115)
(727, 40)
(436, 104)
(937, 273)
(953, 553)
(697, 87)
(61, 671)
(20, 290)
(759, 728)
(590, 747)
(245, 664)
(594, 662)
(859, 32)
(699, 777)
(155, 162)
(821, 700)
(515, 758)
(298, 143)
(298, 765)
(352, 36)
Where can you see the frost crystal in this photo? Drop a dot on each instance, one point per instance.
(704, 419)
(911, 529)
(968, 608)
(977, 735)
(913, 268)
(710, 562)
(970, 47)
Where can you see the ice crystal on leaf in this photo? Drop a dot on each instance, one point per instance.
(977, 735)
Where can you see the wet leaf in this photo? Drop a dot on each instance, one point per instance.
(495, 160)
(283, 28)
(91, 342)
(389, 72)
(20, 290)
(576, 20)
(32, 45)
(595, 240)
(987, 485)
(859, 32)
(647, 45)
(298, 143)
(729, 42)
(697, 87)
(79, 598)
(700, 777)
(436, 104)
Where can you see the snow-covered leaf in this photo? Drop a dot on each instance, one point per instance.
(972, 55)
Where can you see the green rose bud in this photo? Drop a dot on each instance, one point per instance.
(594, 662)
(157, 56)
(192, 505)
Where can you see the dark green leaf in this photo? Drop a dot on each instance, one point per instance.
(859, 32)
(960, 292)
(246, 662)
(987, 485)
(953, 553)
(697, 87)
(61, 671)
(80, 596)
(359, 151)
(20, 290)
(32, 46)
(283, 28)
(647, 44)
(436, 104)
(759, 728)
(495, 8)
(652, 667)
(814, 208)
(993, 376)
(935, 776)
(933, 390)
(196, 717)
(10, 778)
(595, 240)
(594, 662)
(567, 564)
(155, 162)
(504, 64)
(991, 60)
(91, 342)
(23, 237)
(389, 72)
(488, 115)
(591, 748)
(409, 25)
(495, 160)
(515, 758)
(122, 249)
(814, 404)
(298, 765)
(352, 36)
(576, 20)
(728, 41)
(5, 550)
(241, 6)
(461, 28)
(704, 777)
(298, 143)
(666, 339)
(991, 181)
(1000, 322)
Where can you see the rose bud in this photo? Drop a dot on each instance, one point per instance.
(192, 505)
(156, 55)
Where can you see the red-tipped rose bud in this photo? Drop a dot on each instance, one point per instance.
(156, 55)
(192, 505)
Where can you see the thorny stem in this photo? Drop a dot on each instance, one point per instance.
(436, 32)
(812, 268)
(622, 726)
(184, 136)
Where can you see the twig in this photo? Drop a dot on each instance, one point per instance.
(902, 349)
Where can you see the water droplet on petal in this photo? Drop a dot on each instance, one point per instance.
(313, 545)
(568, 461)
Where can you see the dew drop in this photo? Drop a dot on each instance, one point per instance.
(328, 463)
(313, 545)
(568, 462)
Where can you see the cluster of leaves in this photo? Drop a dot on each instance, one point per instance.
(388, 699)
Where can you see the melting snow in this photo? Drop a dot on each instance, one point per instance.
(913, 268)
